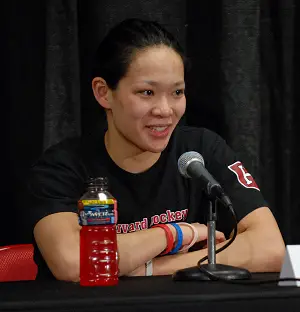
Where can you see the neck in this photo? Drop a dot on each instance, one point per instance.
(127, 155)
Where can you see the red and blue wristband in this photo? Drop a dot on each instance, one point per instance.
(169, 236)
(179, 239)
(171, 249)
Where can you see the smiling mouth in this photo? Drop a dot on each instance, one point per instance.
(158, 128)
(159, 131)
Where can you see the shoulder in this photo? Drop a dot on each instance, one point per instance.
(213, 147)
(70, 152)
(195, 135)
(201, 140)
(225, 166)
(62, 165)
(63, 156)
(69, 146)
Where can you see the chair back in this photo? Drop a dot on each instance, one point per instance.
(16, 263)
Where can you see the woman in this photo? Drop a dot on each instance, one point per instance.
(139, 81)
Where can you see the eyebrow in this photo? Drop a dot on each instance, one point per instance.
(154, 83)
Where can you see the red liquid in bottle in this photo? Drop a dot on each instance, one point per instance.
(98, 236)
(98, 256)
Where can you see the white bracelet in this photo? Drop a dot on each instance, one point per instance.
(194, 239)
(149, 268)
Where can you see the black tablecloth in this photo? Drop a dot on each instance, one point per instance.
(159, 293)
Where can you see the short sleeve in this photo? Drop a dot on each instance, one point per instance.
(56, 182)
(237, 181)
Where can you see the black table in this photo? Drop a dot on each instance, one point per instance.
(159, 293)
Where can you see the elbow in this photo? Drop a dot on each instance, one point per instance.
(278, 256)
(125, 263)
(124, 270)
(69, 276)
(67, 271)
(274, 257)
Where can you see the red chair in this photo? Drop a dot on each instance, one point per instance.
(16, 263)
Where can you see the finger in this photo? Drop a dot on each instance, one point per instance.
(220, 236)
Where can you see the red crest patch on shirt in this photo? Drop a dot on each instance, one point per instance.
(243, 176)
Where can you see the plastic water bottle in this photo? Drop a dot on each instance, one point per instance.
(97, 210)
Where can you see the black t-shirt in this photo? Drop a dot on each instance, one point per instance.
(158, 195)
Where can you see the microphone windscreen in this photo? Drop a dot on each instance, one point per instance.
(185, 159)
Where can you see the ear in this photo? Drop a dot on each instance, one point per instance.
(101, 92)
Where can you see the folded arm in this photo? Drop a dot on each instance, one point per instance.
(57, 237)
(258, 247)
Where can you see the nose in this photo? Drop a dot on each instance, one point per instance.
(162, 108)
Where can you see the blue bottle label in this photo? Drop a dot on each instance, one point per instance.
(94, 212)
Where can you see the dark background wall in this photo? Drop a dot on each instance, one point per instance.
(243, 84)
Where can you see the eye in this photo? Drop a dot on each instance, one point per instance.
(147, 92)
(179, 92)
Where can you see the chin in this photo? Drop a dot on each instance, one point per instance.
(154, 145)
(156, 148)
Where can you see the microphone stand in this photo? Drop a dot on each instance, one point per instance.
(211, 270)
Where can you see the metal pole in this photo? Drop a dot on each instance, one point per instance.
(211, 225)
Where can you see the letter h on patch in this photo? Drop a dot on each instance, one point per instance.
(243, 176)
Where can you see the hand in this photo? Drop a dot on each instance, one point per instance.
(202, 234)
(220, 237)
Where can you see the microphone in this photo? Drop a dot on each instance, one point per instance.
(191, 165)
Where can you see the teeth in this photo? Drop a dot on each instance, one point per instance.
(159, 129)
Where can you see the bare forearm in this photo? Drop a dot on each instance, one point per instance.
(247, 251)
(135, 249)
(258, 247)
(255, 251)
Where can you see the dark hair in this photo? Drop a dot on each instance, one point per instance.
(116, 51)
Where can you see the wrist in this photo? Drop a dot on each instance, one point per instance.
(169, 238)
(174, 232)
(191, 240)
(178, 241)
(187, 234)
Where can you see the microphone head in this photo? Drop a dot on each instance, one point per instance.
(185, 159)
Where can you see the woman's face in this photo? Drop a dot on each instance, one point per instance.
(149, 101)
